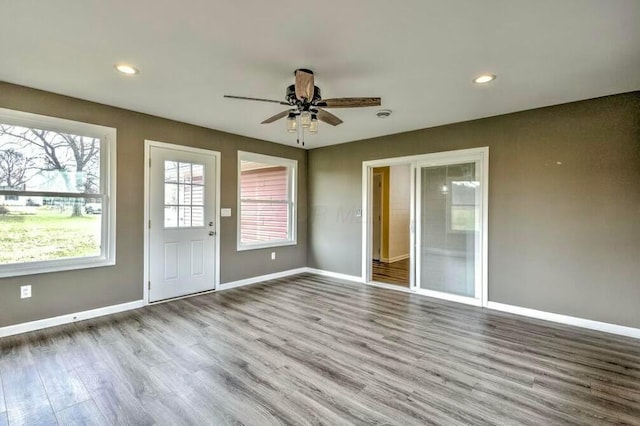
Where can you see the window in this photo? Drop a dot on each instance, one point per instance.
(267, 209)
(57, 194)
(183, 195)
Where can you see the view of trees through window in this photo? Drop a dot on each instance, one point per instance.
(50, 195)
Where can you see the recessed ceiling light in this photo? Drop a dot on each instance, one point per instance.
(127, 69)
(484, 78)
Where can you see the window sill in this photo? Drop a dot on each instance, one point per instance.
(266, 245)
(54, 266)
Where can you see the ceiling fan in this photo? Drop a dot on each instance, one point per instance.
(306, 105)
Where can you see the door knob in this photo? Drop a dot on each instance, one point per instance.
(212, 233)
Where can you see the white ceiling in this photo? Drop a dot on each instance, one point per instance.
(418, 55)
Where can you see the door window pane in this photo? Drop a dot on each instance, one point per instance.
(183, 201)
(184, 217)
(185, 172)
(170, 216)
(197, 216)
(197, 174)
(170, 171)
(197, 195)
(171, 193)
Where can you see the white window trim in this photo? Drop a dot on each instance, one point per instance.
(293, 205)
(108, 137)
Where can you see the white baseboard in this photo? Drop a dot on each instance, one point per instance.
(532, 313)
(395, 258)
(337, 275)
(565, 319)
(69, 318)
(93, 313)
(261, 278)
(107, 310)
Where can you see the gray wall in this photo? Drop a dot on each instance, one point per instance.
(562, 238)
(67, 292)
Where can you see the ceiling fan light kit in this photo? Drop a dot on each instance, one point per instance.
(306, 105)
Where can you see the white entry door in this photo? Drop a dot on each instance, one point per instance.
(182, 226)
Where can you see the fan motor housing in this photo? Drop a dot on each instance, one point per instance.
(292, 99)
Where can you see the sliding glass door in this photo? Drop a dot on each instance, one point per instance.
(449, 227)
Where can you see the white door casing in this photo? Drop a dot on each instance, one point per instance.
(183, 222)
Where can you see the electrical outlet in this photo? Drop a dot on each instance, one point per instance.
(25, 291)
(273, 255)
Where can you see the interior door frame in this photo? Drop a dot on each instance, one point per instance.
(367, 224)
(148, 144)
(437, 158)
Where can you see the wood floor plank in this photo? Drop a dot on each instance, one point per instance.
(201, 399)
(26, 398)
(3, 407)
(315, 350)
(63, 387)
(84, 413)
(118, 406)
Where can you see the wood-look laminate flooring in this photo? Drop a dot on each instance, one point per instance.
(313, 350)
(391, 273)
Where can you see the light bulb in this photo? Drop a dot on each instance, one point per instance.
(305, 119)
(313, 126)
(292, 123)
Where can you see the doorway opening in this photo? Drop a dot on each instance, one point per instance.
(390, 217)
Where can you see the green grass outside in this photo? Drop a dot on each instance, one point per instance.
(47, 234)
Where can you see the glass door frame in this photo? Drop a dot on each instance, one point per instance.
(479, 155)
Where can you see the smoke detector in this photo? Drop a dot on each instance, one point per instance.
(383, 113)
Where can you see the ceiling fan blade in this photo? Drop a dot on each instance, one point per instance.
(304, 84)
(276, 117)
(349, 102)
(256, 99)
(328, 118)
